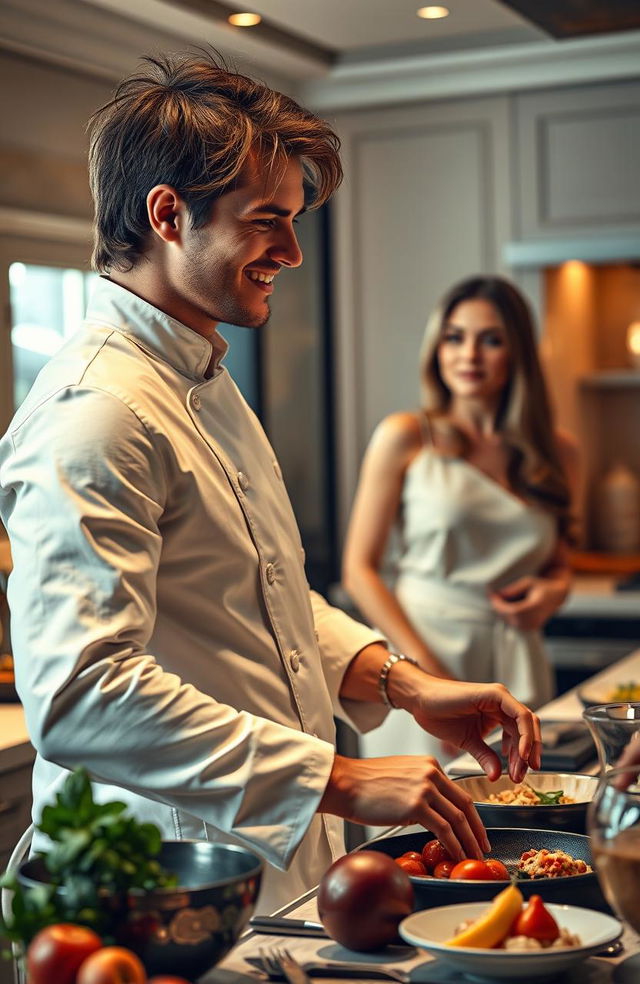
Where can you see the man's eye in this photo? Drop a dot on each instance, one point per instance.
(264, 223)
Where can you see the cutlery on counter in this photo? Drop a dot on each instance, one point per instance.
(271, 964)
(282, 926)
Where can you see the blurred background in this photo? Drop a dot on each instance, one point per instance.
(484, 136)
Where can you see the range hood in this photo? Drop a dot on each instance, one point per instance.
(535, 253)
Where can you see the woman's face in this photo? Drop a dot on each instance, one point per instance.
(473, 352)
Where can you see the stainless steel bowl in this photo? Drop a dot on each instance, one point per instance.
(187, 929)
(571, 817)
(506, 845)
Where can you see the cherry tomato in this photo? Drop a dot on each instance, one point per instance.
(500, 872)
(443, 869)
(56, 953)
(411, 866)
(433, 853)
(414, 855)
(472, 870)
(536, 921)
(362, 898)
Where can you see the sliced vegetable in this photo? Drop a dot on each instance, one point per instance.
(536, 922)
(493, 925)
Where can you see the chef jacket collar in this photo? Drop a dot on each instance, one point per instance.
(175, 343)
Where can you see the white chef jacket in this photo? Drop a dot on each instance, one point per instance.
(163, 630)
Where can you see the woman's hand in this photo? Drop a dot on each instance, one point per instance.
(406, 789)
(529, 602)
(464, 713)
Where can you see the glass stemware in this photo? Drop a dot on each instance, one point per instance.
(613, 726)
(613, 823)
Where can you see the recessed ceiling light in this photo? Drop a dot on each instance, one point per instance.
(244, 19)
(432, 13)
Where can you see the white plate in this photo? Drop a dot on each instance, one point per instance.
(429, 928)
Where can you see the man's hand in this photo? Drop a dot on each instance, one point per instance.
(528, 602)
(464, 713)
(406, 789)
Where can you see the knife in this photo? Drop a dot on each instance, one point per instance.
(282, 926)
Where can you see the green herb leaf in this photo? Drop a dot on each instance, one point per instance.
(96, 851)
(550, 798)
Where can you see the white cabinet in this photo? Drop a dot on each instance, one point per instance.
(577, 157)
(426, 201)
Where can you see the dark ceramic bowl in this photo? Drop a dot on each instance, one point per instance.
(563, 816)
(188, 929)
(506, 845)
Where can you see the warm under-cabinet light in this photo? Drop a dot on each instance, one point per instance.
(432, 12)
(244, 19)
(633, 343)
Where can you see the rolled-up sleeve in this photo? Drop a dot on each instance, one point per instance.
(340, 638)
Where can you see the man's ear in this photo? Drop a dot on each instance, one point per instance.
(167, 212)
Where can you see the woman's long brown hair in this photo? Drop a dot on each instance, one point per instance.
(524, 416)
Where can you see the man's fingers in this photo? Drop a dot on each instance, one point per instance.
(452, 826)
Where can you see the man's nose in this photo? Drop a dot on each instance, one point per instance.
(287, 250)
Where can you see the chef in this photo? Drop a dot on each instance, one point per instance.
(164, 633)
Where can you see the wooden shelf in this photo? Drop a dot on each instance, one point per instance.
(612, 379)
(598, 562)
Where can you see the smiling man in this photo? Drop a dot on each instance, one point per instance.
(164, 633)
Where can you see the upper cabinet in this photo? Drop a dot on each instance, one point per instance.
(577, 161)
(426, 200)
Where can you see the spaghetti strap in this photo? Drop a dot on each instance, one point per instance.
(425, 429)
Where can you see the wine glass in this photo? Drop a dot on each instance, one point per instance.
(613, 726)
(613, 823)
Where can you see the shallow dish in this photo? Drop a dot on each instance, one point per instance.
(429, 930)
(561, 816)
(606, 692)
(506, 845)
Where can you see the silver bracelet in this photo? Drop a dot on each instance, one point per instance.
(391, 660)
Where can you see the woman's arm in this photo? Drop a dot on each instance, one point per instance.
(530, 601)
(393, 446)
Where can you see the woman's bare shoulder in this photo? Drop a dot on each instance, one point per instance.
(400, 432)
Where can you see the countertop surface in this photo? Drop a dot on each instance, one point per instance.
(423, 969)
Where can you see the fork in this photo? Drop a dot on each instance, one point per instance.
(273, 964)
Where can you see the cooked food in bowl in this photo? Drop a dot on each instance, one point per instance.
(526, 795)
(559, 800)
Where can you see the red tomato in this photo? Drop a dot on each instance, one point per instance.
(112, 965)
(414, 855)
(536, 921)
(56, 952)
(500, 872)
(433, 853)
(472, 870)
(167, 980)
(443, 869)
(411, 866)
(362, 898)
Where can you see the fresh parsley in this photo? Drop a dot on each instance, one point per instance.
(97, 852)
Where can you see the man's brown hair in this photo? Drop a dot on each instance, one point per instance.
(191, 123)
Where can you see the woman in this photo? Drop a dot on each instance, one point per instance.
(479, 484)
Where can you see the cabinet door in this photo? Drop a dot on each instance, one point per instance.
(578, 160)
(426, 201)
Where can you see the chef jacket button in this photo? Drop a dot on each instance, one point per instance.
(277, 469)
(270, 572)
(195, 402)
(243, 481)
(317, 635)
(294, 660)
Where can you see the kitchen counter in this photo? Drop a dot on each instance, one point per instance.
(624, 969)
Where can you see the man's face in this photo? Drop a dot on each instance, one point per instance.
(227, 269)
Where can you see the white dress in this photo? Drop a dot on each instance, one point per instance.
(462, 534)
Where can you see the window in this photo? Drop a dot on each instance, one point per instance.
(47, 305)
